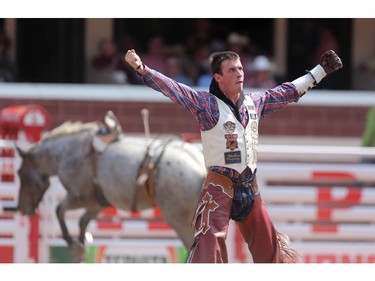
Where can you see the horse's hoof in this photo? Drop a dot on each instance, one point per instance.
(78, 251)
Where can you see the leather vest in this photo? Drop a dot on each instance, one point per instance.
(228, 143)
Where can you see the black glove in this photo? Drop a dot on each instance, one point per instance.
(330, 61)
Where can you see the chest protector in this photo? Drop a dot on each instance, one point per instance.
(228, 143)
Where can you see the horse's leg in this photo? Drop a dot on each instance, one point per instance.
(84, 221)
(181, 223)
(60, 212)
(76, 247)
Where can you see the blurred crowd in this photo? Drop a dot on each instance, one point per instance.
(184, 56)
(7, 65)
(186, 63)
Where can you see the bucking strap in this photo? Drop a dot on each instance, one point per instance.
(145, 176)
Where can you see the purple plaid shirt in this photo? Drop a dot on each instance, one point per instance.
(204, 107)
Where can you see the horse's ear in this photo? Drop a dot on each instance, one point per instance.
(20, 151)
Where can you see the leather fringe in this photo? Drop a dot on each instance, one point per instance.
(287, 254)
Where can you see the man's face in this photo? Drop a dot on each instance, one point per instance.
(231, 79)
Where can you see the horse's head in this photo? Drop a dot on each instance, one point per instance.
(33, 184)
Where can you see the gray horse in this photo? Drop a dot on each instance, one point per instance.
(112, 178)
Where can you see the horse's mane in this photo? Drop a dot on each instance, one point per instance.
(68, 128)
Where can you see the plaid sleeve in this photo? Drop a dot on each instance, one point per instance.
(199, 103)
(274, 99)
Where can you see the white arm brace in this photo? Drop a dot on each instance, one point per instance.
(309, 80)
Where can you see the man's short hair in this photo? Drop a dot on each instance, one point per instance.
(217, 58)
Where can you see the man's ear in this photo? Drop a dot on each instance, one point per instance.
(217, 77)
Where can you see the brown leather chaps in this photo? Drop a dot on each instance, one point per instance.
(211, 222)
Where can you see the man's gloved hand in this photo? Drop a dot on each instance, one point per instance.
(330, 61)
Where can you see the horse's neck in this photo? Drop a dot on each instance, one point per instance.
(51, 152)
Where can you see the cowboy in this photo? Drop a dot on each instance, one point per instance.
(228, 120)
